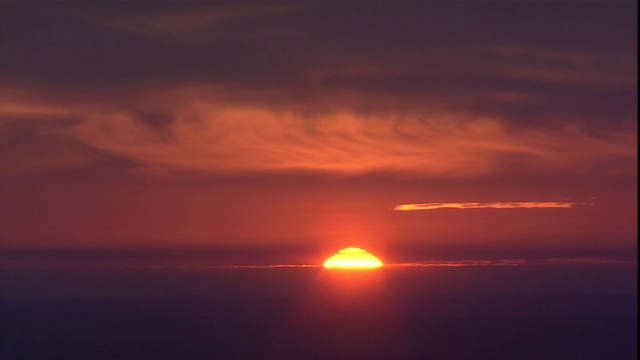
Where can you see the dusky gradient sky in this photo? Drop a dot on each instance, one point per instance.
(509, 126)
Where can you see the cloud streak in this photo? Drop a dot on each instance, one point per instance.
(515, 262)
(414, 264)
(590, 261)
(488, 205)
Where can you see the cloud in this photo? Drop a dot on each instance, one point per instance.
(210, 129)
(215, 137)
(568, 68)
(171, 18)
(215, 89)
(590, 261)
(438, 263)
(492, 205)
(515, 262)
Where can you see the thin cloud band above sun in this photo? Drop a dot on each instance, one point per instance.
(487, 205)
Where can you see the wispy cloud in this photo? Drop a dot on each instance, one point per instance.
(206, 132)
(488, 205)
(173, 18)
(515, 262)
(590, 261)
(459, 263)
(565, 67)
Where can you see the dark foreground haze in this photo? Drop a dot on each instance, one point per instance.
(548, 311)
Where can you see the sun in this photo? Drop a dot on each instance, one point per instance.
(352, 258)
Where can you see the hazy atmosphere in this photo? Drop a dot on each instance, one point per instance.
(305, 124)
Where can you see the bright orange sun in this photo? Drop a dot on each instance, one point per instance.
(352, 258)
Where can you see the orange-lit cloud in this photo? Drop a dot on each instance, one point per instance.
(490, 205)
(202, 133)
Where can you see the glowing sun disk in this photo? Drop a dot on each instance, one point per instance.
(352, 258)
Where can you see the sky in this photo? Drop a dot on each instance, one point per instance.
(410, 129)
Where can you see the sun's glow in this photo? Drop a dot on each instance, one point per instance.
(352, 258)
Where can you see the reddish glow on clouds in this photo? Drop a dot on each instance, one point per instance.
(213, 137)
(204, 133)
